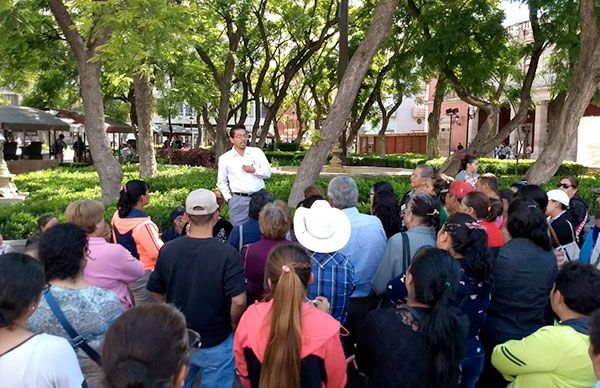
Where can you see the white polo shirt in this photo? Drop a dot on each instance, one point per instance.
(232, 178)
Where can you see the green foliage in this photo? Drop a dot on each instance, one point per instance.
(52, 190)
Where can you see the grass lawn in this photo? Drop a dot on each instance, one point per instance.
(52, 190)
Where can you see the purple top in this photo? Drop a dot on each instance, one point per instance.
(254, 259)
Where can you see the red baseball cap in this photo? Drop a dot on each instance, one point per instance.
(460, 188)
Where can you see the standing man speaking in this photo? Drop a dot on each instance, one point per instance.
(242, 171)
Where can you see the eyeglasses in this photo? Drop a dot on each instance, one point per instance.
(240, 136)
(563, 185)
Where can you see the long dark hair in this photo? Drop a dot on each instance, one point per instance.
(129, 195)
(385, 207)
(287, 272)
(526, 220)
(470, 240)
(436, 275)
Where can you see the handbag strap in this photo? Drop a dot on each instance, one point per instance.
(405, 251)
(241, 237)
(553, 234)
(76, 339)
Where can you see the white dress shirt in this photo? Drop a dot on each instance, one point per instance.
(233, 179)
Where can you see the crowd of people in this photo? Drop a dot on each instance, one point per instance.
(455, 284)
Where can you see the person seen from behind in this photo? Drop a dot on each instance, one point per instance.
(135, 231)
(421, 217)
(204, 279)
(556, 356)
(89, 310)
(590, 251)
(377, 188)
(523, 275)
(45, 222)
(274, 220)
(29, 360)
(485, 211)
(248, 232)
(594, 349)
(289, 341)
(130, 359)
(323, 231)
(385, 207)
(108, 266)
(421, 343)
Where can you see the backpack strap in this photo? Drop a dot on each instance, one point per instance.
(76, 339)
(405, 251)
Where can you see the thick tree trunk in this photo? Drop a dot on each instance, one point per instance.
(316, 157)
(143, 105)
(585, 82)
(301, 123)
(381, 136)
(107, 166)
(433, 120)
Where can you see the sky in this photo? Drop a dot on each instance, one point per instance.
(515, 12)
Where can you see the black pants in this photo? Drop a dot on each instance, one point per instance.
(358, 308)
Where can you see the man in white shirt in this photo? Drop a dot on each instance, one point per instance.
(242, 171)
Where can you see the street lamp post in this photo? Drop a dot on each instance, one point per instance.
(452, 112)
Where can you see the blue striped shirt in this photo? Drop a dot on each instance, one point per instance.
(334, 279)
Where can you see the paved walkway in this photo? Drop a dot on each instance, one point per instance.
(357, 171)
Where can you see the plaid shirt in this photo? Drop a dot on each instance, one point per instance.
(334, 279)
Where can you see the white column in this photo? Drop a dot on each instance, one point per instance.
(541, 127)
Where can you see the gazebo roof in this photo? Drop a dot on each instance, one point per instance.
(111, 125)
(22, 118)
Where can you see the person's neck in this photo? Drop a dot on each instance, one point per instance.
(204, 231)
(239, 150)
(138, 206)
(567, 315)
(73, 282)
(412, 302)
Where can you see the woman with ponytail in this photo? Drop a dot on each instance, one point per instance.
(420, 343)
(135, 231)
(485, 210)
(468, 169)
(289, 341)
(466, 241)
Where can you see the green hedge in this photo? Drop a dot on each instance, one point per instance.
(495, 166)
(52, 190)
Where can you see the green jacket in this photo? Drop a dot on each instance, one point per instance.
(553, 356)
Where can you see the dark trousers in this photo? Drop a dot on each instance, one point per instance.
(358, 308)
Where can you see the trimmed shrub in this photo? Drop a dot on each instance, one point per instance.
(188, 157)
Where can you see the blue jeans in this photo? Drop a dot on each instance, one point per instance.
(471, 369)
(215, 365)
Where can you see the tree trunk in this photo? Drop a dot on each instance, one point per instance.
(585, 82)
(143, 106)
(433, 120)
(381, 136)
(488, 137)
(199, 136)
(300, 117)
(132, 111)
(378, 32)
(107, 166)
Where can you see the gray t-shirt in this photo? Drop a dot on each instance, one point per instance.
(90, 311)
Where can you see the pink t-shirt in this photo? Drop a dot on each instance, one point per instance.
(112, 267)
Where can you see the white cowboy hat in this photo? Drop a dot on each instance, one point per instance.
(321, 228)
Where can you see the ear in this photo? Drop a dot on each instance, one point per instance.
(409, 281)
(557, 297)
(311, 279)
(179, 379)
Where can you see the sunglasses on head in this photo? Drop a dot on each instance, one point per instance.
(563, 185)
